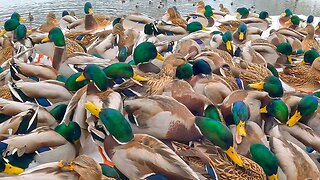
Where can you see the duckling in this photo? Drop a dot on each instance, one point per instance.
(309, 42)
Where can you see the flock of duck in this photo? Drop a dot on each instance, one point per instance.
(203, 96)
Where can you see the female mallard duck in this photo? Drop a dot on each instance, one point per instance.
(286, 16)
(302, 78)
(309, 42)
(51, 22)
(224, 9)
(121, 141)
(230, 25)
(211, 162)
(174, 17)
(7, 50)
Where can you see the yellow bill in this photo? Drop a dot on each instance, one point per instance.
(232, 153)
(90, 11)
(29, 31)
(241, 128)
(81, 78)
(241, 36)
(9, 169)
(92, 108)
(317, 27)
(294, 119)
(160, 57)
(290, 59)
(205, 29)
(21, 19)
(302, 62)
(263, 110)
(257, 86)
(238, 15)
(284, 14)
(46, 39)
(228, 45)
(273, 177)
(138, 77)
(3, 32)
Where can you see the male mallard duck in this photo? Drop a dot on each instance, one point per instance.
(285, 51)
(240, 35)
(270, 84)
(179, 124)
(309, 42)
(53, 141)
(211, 162)
(145, 52)
(51, 22)
(285, 17)
(242, 13)
(223, 42)
(294, 23)
(121, 141)
(9, 25)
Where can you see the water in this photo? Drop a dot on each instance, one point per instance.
(40, 8)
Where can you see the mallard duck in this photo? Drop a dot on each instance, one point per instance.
(117, 145)
(294, 23)
(12, 108)
(223, 42)
(51, 22)
(240, 35)
(144, 121)
(317, 31)
(182, 91)
(286, 16)
(302, 78)
(9, 26)
(60, 140)
(136, 21)
(145, 52)
(309, 42)
(7, 50)
(174, 17)
(261, 21)
(211, 162)
(285, 51)
(230, 25)
(270, 84)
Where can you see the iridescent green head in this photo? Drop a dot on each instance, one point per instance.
(95, 74)
(17, 17)
(277, 109)
(307, 106)
(116, 21)
(287, 13)
(121, 70)
(145, 52)
(310, 56)
(273, 70)
(58, 112)
(21, 32)
(88, 8)
(72, 85)
(70, 132)
(295, 20)
(243, 11)
(184, 71)
(65, 13)
(11, 24)
(212, 112)
(242, 30)
(272, 85)
(310, 19)
(148, 29)
(263, 15)
(201, 67)
(266, 159)
(284, 48)
(227, 36)
(240, 114)
(195, 26)
(113, 121)
(220, 135)
(208, 11)
(56, 36)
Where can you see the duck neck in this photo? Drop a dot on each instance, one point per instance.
(310, 35)
(90, 22)
(57, 57)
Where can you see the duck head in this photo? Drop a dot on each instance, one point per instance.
(318, 26)
(122, 70)
(195, 26)
(295, 20)
(201, 67)
(277, 109)
(8, 168)
(212, 112)
(263, 15)
(145, 52)
(287, 13)
(17, 17)
(208, 11)
(310, 19)
(9, 25)
(220, 135)
(113, 121)
(227, 39)
(242, 12)
(21, 32)
(240, 114)
(65, 13)
(285, 49)
(94, 73)
(309, 57)
(242, 30)
(70, 132)
(306, 106)
(272, 85)
(184, 71)
(266, 159)
(56, 36)
(88, 8)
